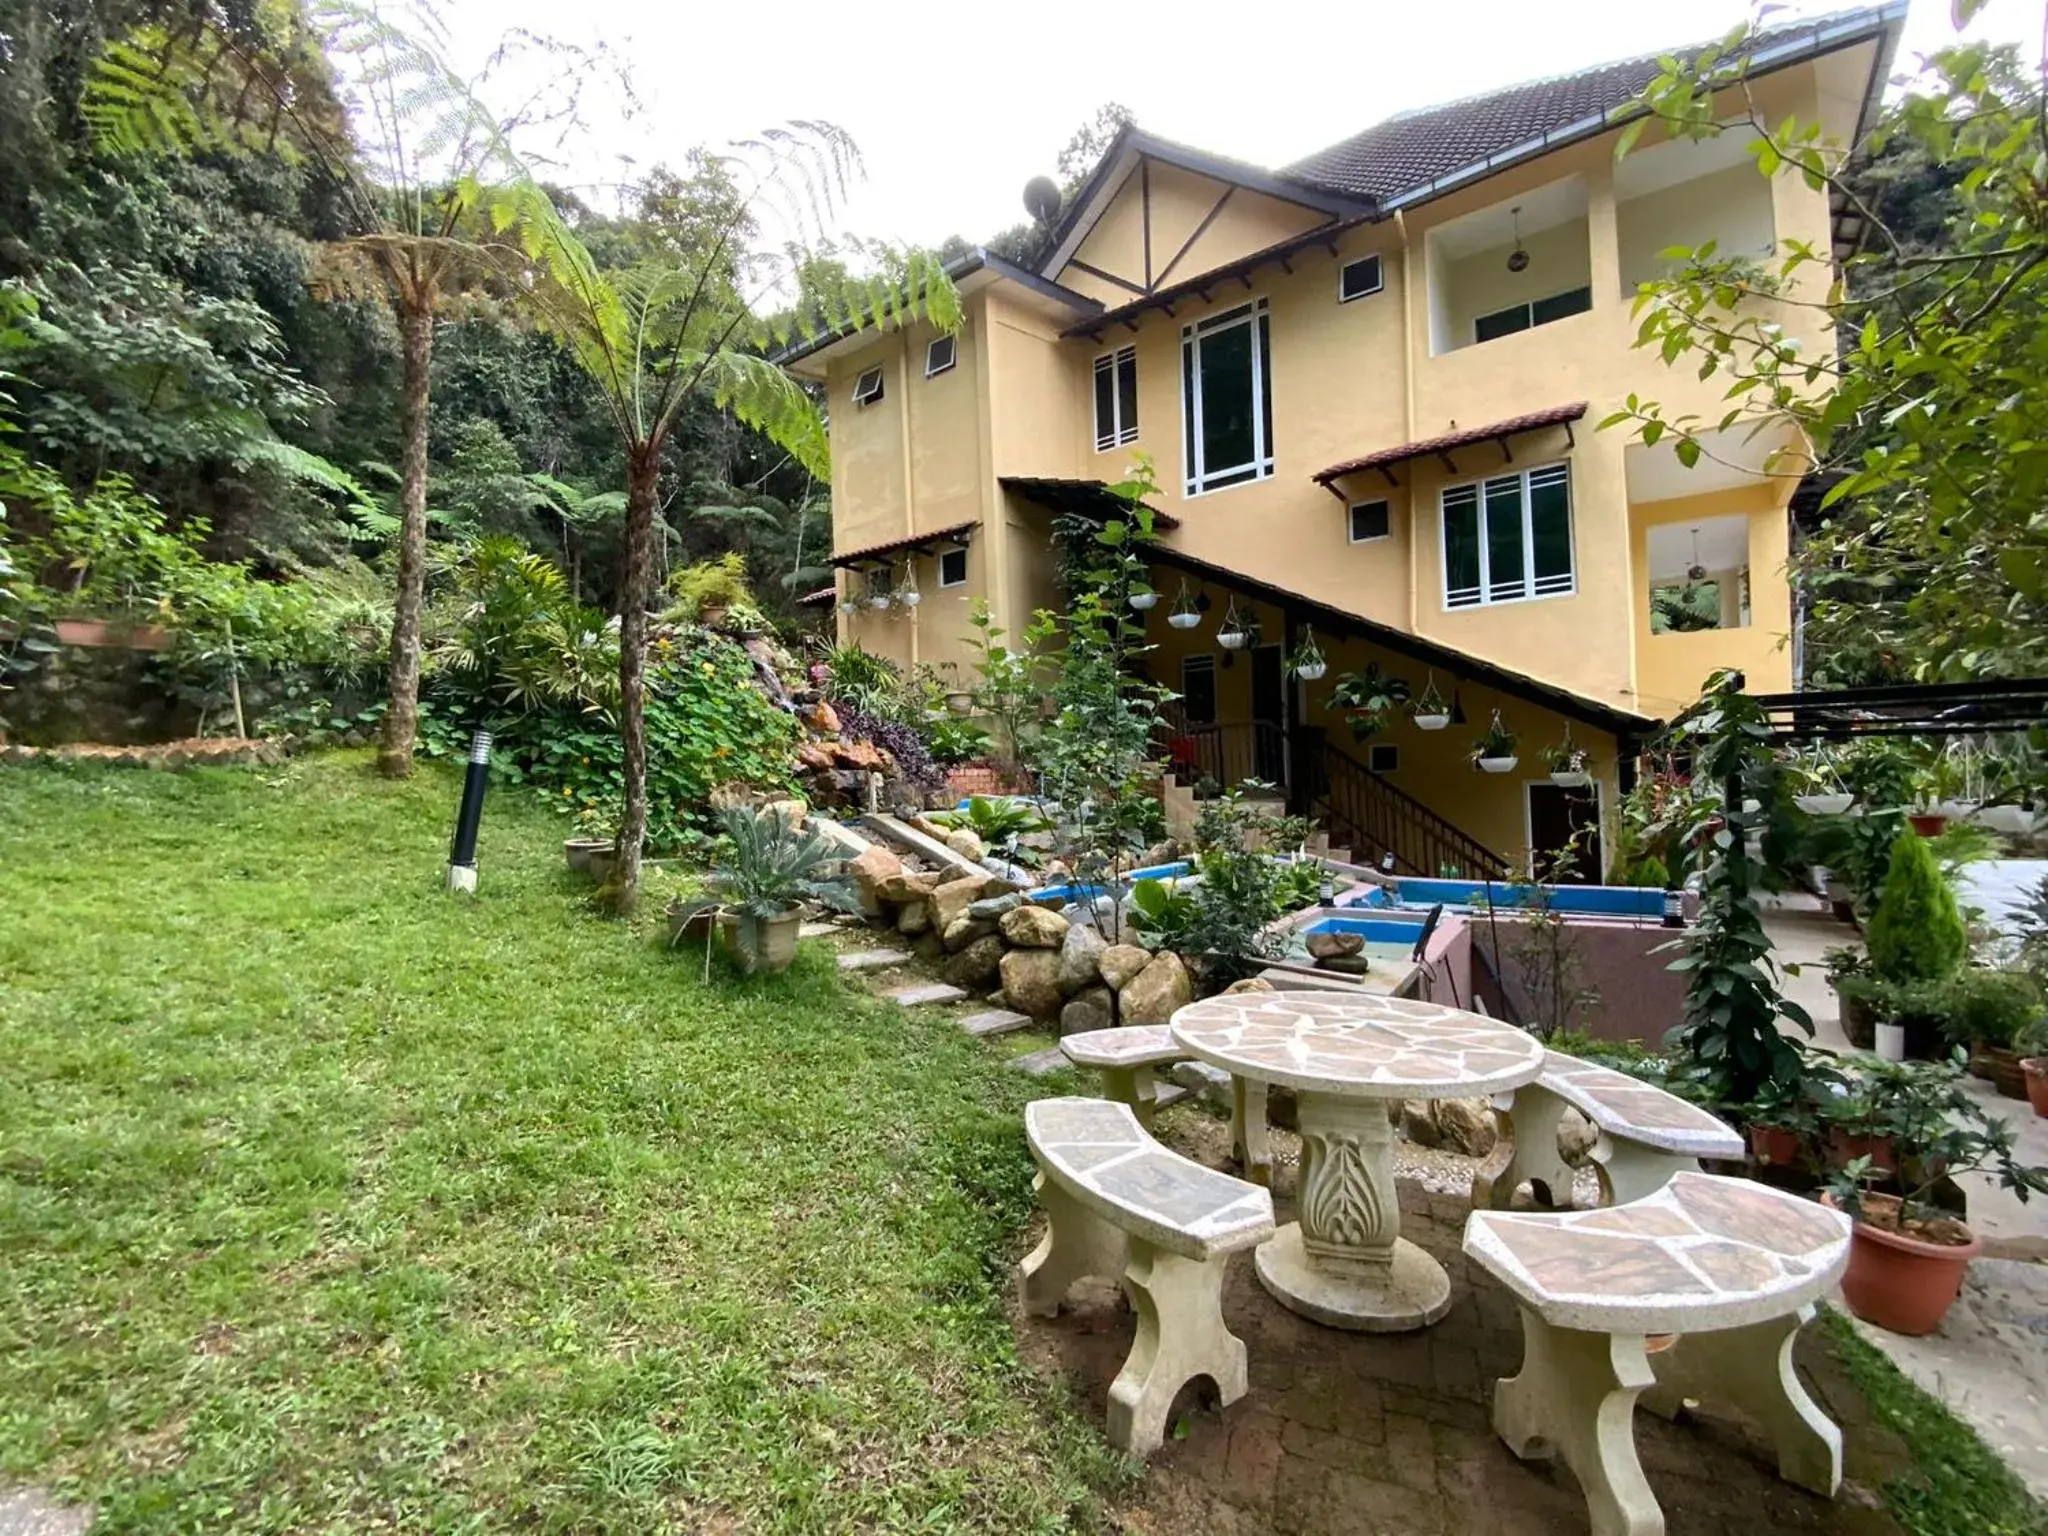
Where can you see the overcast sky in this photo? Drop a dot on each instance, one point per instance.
(955, 107)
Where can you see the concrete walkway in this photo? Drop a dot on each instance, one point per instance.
(1989, 1360)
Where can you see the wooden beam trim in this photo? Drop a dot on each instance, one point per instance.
(1199, 230)
(1108, 277)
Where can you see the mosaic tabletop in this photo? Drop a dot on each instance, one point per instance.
(1097, 1150)
(1363, 1047)
(1132, 1045)
(1640, 1110)
(1703, 1252)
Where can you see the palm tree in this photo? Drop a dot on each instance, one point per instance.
(417, 163)
(688, 320)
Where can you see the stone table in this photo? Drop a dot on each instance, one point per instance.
(1345, 1262)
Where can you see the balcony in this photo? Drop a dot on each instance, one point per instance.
(1509, 268)
(1682, 194)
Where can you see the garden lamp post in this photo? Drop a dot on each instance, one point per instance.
(462, 856)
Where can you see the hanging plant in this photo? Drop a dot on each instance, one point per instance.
(907, 595)
(1495, 752)
(1144, 599)
(1232, 635)
(1368, 699)
(1568, 763)
(1430, 712)
(1185, 614)
(1308, 662)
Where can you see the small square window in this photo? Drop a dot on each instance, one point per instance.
(1369, 520)
(1383, 757)
(940, 355)
(953, 568)
(1359, 278)
(867, 389)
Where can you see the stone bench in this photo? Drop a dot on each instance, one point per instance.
(1733, 1260)
(1126, 1058)
(1644, 1135)
(1120, 1205)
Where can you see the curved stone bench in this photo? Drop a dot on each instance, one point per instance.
(1119, 1204)
(1703, 1255)
(1126, 1058)
(1645, 1135)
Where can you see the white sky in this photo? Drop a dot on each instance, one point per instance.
(956, 107)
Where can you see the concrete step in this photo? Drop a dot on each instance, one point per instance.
(1309, 981)
(1038, 1063)
(997, 1021)
(920, 993)
(873, 959)
(818, 930)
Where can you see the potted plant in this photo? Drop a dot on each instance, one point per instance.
(1996, 1015)
(2036, 1070)
(1368, 699)
(1567, 762)
(1308, 662)
(1144, 599)
(1232, 634)
(1858, 994)
(1429, 712)
(767, 863)
(705, 592)
(595, 844)
(1783, 1121)
(1186, 614)
(1907, 1256)
(1495, 752)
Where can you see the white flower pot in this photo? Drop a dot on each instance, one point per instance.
(1231, 639)
(1498, 764)
(1183, 620)
(960, 703)
(1891, 1042)
(1824, 805)
(1313, 670)
(2015, 820)
(1434, 722)
(1569, 778)
(1142, 601)
(878, 603)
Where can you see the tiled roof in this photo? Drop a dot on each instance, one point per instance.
(1407, 153)
(954, 533)
(1386, 458)
(818, 598)
(1083, 498)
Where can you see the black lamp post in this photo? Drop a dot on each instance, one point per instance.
(462, 855)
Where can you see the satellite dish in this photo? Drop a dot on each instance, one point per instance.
(1042, 199)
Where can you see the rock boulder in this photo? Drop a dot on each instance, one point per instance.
(1031, 981)
(951, 900)
(1090, 1008)
(1120, 962)
(1332, 946)
(867, 874)
(977, 965)
(1034, 928)
(1154, 993)
(1080, 957)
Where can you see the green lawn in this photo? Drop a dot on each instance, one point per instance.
(331, 1201)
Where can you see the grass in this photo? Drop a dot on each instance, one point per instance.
(332, 1202)
(1957, 1485)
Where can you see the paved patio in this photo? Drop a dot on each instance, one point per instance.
(1350, 1434)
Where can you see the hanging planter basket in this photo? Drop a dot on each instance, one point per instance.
(1230, 639)
(1430, 712)
(1143, 601)
(1495, 751)
(1836, 804)
(1435, 720)
(1184, 619)
(1570, 778)
(1308, 662)
(1497, 764)
(1311, 671)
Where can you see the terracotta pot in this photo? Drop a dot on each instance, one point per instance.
(1928, 823)
(1844, 1149)
(2000, 1068)
(1774, 1144)
(1900, 1283)
(2036, 1069)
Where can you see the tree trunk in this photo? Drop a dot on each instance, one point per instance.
(394, 752)
(643, 477)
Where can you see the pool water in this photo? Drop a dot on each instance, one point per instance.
(1589, 900)
(1077, 890)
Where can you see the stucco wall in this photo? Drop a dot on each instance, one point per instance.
(1731, 207)
(1481, 283)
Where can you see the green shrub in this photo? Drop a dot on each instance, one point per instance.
(1649, 871)
(1996, 1008)
(1916, 933)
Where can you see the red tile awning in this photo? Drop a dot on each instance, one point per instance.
(818, 599)
(923, 543)
(1442, 447)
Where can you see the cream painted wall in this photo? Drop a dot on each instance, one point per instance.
(1481, 283)
(1730, 207)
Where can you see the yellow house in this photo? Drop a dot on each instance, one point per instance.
(1371, 383)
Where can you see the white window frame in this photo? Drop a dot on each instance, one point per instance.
(1120, 432)
(1379, 278)
(951, 344)
(1533, 590)
(862, 395)
(944, 556)
(1372, 757)
(1198, 478)
(1351, 520)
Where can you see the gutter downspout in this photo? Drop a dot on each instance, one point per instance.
(1408, 293)
(909, 484)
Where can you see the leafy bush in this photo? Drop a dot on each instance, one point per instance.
(997, 820)
(1995, 1008)
(953, 739)
(1916, 933)
(870, 683)
(1650, 873)
(720, 583)
(902, 742)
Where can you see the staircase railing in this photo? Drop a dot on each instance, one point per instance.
(1224, 753)
(1377, 819)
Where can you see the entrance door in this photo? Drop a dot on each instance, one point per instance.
(1269, 713)
(1558, 816)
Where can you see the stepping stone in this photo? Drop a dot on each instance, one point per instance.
(872, 959)
(997, 1021)
(817, 930)
(926, 992)
(1038, 1063)
(1164, 1094)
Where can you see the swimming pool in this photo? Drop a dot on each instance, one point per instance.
(1076, 890)
(1584, 900)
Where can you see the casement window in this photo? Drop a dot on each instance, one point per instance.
(1369, 520)
(867, 389)
(1226, 380)
(1522, 317)
(1360, 278)
(1116, 398)
(1509, 538)
(953, 568)
(1198, 689)
(940, 356)
(1383, 757)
